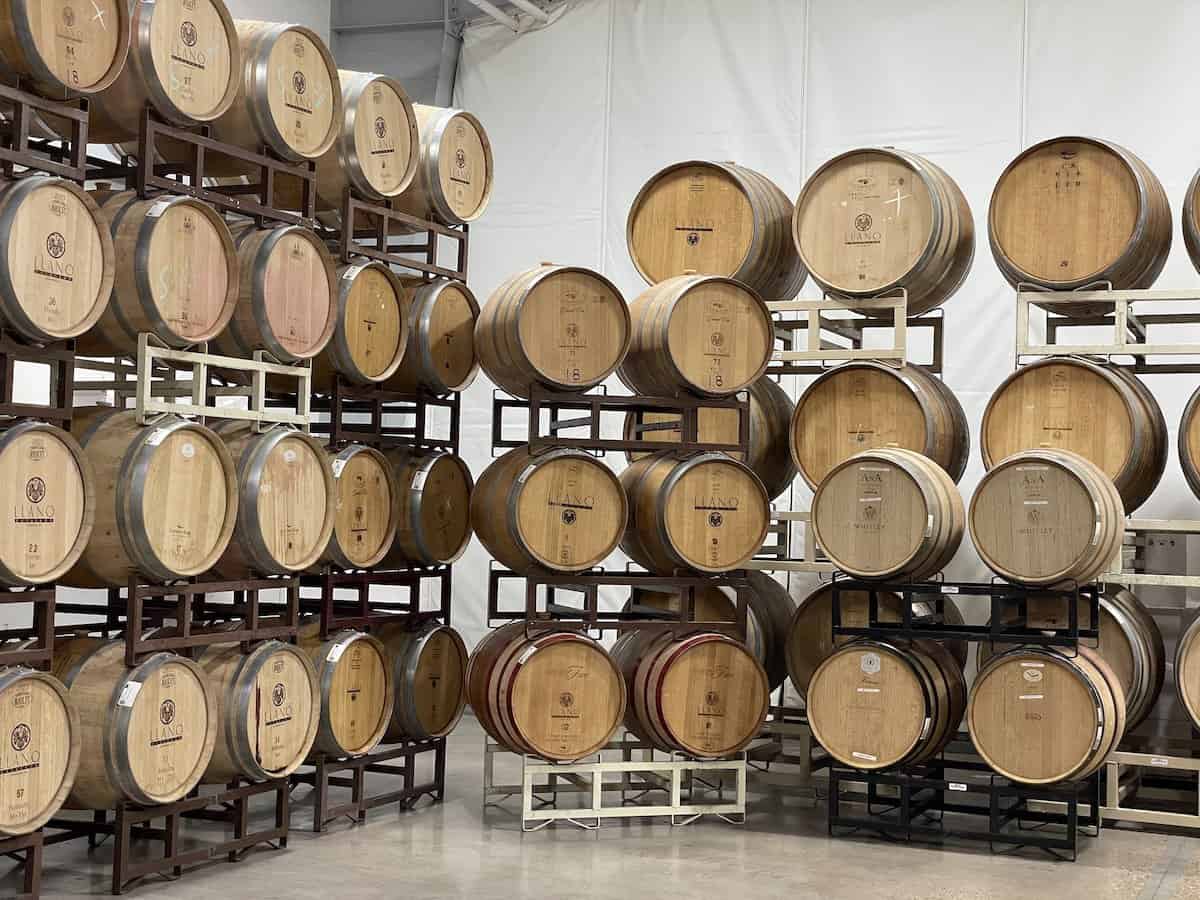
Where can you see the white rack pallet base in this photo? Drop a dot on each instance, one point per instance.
(1119, 572)
(855, 313)
(1112, 810)
(809, 562)
(1129, 337)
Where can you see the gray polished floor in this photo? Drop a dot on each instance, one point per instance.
(455, 850)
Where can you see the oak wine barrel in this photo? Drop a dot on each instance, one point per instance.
(873, 220)
(557, 695)
(1191, 220)
(562, 510)
(146, 734)
(702, 334)
(1187, 670)
(702, 511)
(859, 406)
(364, 499)
(563, 327)
(433, 506)
(63, 46)
(440, 357)
(715, 218)
(356, 690)
(1189, 442)
(370, 331)
(429, 668)
(453, 181)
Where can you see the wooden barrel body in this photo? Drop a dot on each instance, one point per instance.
(557, 695)
(184, 60)
(702, 694)
(62, 46)
(440, 357)
(356, 690)
(702, 512)
(1040, 716)
(146, 734)
(562, 510)
(888, 513)
(433, 507)
(1187, 670)
(57, 270)
(286, 501)
(715, 218)
(863, 405)
(701, 334)
(1072, 212)
(268, 709)
(1101, 412)
(429, 669)
(370, 331)
(176, 273)
(1191, 220)
(876, 705)
(563, 327)
(1189, 442)
(1046, 517)
(166, 498)
(874, 220)
(364, 495)
(453, 181)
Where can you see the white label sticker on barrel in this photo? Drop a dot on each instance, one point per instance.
(869, 663)
(335, 652)
(289, 456)
(157, 437)
(528, 653)
(157, 209)
(525, 473)
(862, 690)
(188, 450)
(351, 273)
(129, 693)
(338, 465)
(929, 525)
(1031, 697)
(418, 482)
(956, 786)
(1033, 676)
(867, 756)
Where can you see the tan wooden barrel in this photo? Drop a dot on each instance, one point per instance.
(176, 273)
(48, 494)
(557, 695)
(453, 182)
(429, 668)
(1191, 220)
(1187, 670)
(888, 513)
(286, 501)
(1074, 211)
(1046, 517)
(715, 218)
(184, 61)
(57, 272)
(876, 219)
(564, 327)
(433, 507)
(1101, 412)
(63, 45)
(440, 357)
(770, 418)
(703, 694)
(167, 499)
(268, 709)
(712, 604)
(1189, 442)
(562, 510)
(370, 331)
(146, 734)
(863, 405)
(1040, 716)
(356, 690)
(876, 705)
(701, 334)
(364, 523)
(701, 511)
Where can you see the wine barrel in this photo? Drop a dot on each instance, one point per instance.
(41, 756)
(702, 334)
(557, 695)
(876, 705)
(268, 709)
(440, 357)
(453, 182)
(1101, 412)
(49, 494)
(1046, 517)
(1072, 212)
(701, 511)
(1038, 716)
(873, 220)
(563, 327)
(1191, 220)
(1189, 442)
(62, 46)
(770, 418)
(364, 492)
(702, 694)
(57, 271)
(176, 273)
(356, 690)
(285, 501)
(562, 510)
(715, 218)
(184, 61)
(1187, 670)
(888, 513)
(429, 667)
(370, 331)
(167, 502)
(433, 507)
(146, 734)
(863, 405)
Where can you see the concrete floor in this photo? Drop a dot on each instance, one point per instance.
(455, 850)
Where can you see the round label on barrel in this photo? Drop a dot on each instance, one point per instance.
(188, 270)
(438, 686)
(77, 41)
(300, 93)
(42, 495)
(445, 507)
(298, 294)
(463, 167)
(716, 515)
(713, 696)
(719, 337)
(452, 335)
(292, 501)
(35, 750)
(357, 696)
(569, 512)
(871, 516)
(810, 638)
(184, 501)
(372, 322)
(383, 137)
(190, 49)
(364, 508)
(167, 737)
(279, 717)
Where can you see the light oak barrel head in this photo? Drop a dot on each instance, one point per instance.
(364, 507)
(379, 146)
(371, 331)
(1187, 670)
(356, 690)
(62, 47)
(440, 356)
(429, 671)
(1191, 220)
(433, 506)
(453, 181)
(1189, 442)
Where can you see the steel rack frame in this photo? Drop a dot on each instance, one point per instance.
(27, 849)
(65, 157)
(779, 556)
(40, 655)
(365, 611)
(393, 418)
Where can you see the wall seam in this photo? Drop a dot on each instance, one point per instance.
(1023, 99)
(607, 119)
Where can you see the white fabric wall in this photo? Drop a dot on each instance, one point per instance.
(582, 111)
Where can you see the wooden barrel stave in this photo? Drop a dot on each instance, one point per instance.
(440, 357)
(433, 507)
(429, 666)
(356, 690)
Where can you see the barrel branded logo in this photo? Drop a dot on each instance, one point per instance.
(68, 15)
(166, 712)
(188, 33)
(712, 698)
(278, 694)
(566, 699)
(460, 158)
(56, 244)
(863, 222)
(380, 127)
(21, 737)
(568, 517)
(693, 239)
(715, 520)
(299, 83)
(298, 48)
(35, 490)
